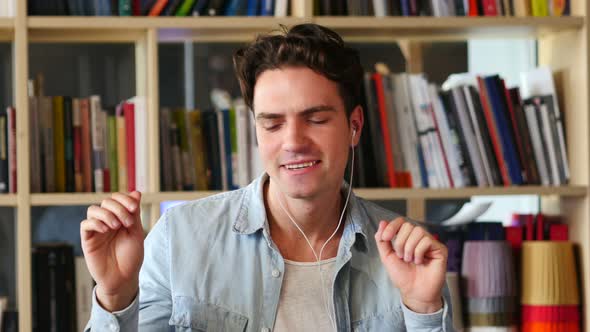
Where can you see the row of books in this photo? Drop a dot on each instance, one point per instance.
(62, 288)
(279, 8)
(8, 150)
(77, 145)
(438, 8)
(210, 149)
(472, 133)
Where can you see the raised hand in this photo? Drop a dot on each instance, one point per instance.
(112, 241)
(416, 263)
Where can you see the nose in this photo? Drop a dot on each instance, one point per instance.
(295, 138)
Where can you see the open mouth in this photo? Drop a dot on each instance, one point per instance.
(303, 165)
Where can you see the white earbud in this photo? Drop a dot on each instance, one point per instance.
(353, 135)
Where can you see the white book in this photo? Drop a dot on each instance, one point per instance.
(421, 114)
(469, 134)
(11, 7)
(84, 287)
(407, 127)
(450, 148)
(243, 140)
(537, 82)
(141, 136)
(439, 158)
(98, 142)
(379, 7)
(550, 143)
(535, 132)
(281, 8)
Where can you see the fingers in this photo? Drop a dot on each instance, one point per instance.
(410, 242)
(88, 226)
(118, 210)
(104, 215)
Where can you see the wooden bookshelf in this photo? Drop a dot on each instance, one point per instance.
(563, 44)
(8, 200)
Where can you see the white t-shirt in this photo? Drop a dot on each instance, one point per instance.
(301, 304)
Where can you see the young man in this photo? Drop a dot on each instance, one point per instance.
(293, 251)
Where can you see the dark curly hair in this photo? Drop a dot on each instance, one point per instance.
(307, 45)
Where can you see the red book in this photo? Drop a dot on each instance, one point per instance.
(514, 236)
(487, 111)
(136, 11)
(385, 129)
(558, 232)
(473, 8)
(489, 7)
(106, 180)
(86, 162)
(129, 114)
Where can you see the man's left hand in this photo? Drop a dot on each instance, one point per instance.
(416, 263)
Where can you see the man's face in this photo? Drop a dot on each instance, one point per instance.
(302, 130)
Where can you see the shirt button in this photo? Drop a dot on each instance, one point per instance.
(266, 329)
(276, 273)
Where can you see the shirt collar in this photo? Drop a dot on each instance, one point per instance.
(252, 215)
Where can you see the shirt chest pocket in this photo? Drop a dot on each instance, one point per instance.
(190, 315)
(391, 321)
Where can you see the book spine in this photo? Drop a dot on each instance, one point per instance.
(112, 151)
(125, 8)
(98, 143)
(85, 132)
(385, 130)
(77, 141)
(485, 102)
(59, 143)
(129, 110)
(158, 8)
(48, 145)
(4, 188)
(121, 148)
(35, 153)
(69, 145)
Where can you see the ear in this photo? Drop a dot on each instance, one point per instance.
(356, 124)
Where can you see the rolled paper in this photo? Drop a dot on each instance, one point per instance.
(488, 269)
(539, 314)
(549, 276)
(492, 305)
(453, 283)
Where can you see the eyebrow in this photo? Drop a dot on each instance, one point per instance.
(305, 112)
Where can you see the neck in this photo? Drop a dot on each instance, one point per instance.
(317, 218)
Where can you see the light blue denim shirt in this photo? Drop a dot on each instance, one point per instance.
(211, 265)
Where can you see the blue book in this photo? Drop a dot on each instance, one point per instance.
(253, 6)
(503, 124)
(405, 7)
(235, 8)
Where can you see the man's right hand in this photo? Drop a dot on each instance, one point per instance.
(112, 241)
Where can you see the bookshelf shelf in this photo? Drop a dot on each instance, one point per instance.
(6, 29)
(379, 193)
(62, 199)
(8, 200)
(100, 29)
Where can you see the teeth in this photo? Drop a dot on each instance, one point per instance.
(302, 165)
